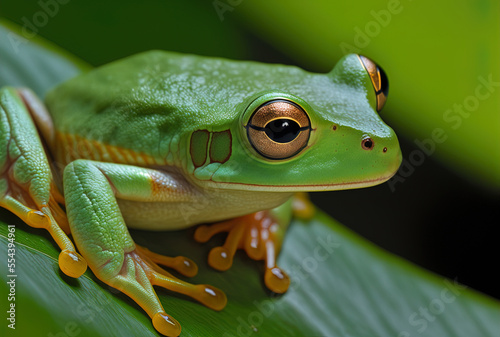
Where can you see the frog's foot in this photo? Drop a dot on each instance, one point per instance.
(259, 234)
(70, 262)
(302, 207)
(27, 188)
(137, 276)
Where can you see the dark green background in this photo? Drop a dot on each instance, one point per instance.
(436, 218)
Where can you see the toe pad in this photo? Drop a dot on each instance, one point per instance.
(166, 325)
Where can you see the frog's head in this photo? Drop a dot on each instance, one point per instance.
(322, 133)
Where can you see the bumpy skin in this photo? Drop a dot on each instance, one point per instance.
(164, 141)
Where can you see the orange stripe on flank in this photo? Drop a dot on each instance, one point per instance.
(95, 150)
(126, 154)
(71, 147)
(114, 155)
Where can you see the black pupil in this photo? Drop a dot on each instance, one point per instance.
(282, 130)
(368, 143)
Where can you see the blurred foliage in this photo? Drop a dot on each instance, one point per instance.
(105, 30)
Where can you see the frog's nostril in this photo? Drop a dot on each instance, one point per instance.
(384, 150)
(367, 143)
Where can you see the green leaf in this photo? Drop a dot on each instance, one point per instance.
(341, 284)
(441, 60)
(35, 63)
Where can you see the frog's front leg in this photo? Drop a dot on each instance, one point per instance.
(91, 189)
(260, 234)
(27, 186)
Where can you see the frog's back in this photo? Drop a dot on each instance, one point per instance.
(139, 110)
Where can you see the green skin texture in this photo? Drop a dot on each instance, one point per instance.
(157, 92)
(152, 103)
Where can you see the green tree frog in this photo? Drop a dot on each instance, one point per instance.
(163, 141)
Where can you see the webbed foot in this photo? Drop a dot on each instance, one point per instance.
(138, 274)
(259, 234)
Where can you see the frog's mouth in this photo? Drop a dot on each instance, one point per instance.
(300, 188)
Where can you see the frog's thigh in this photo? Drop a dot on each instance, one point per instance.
(102, 237)
(27, 187)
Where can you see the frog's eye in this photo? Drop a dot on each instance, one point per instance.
(379, 80)
(279, 129)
